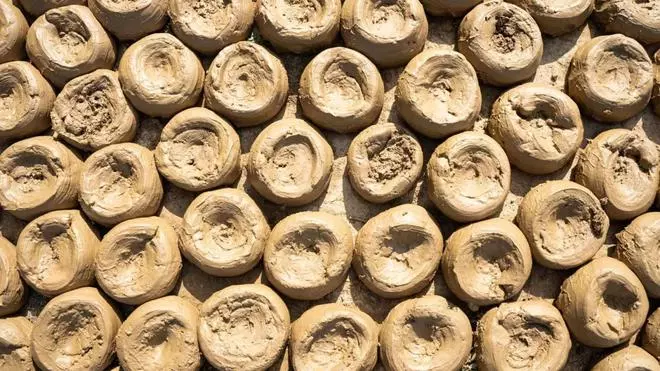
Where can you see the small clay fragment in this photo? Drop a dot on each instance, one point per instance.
(639, 19)
(630, 358)
(611, 77)
(469, 176)
(538, 126)
(14, 30)
(130, 20)
(389, 33)
(384, 162)
(224, 232)
(39, 7)
(243, 327)
(12, 289)
(290, 163)
(637, 247)
(246, 83)
(425, 334)
(120, 182)
(454, 8)
(655, 95)
(557, 17)
(438, 93)
(564, 223)
(151, 73)
(207, 26)
(56, 252)
(38, 175)
(15, 344)
(621, 168)
(160, 335)
(68, 42)
(603, 303)
(524, 335)
(341, 90)
(308, 254)
(651, 338)
(397, 252)
(502, 42)
(198, 150)
(26, 99)
(91, 112)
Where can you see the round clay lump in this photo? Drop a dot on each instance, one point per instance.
(639, 19)
(14, 30)
(637, 247)
(12, 289)
(15, 344)
(130, 20)
(651, 338)
(630, 358)
(454, 8)
(557, 17)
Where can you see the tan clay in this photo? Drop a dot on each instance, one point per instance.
(75, 331)
(224, 232)
(160, 335)
(198, 150)
(603, 303)
(525, 335)
(160, 76)
(243, 327)
(651, 338)
(637, 247)
(621, 168)
(290, 163)
(15, 344)
(298, 26)
(130, 20)
(611, 77)
(630, 358)
(438, 93)
(38, 175)
(502, 42)
(454, 8)
(26, 99)
(308, 254)
(538, 126)
(468, 177)
(557, 17)
(397, 252)
(68, 42)
(246, 83)
(12, 289)
(341, 90)
(564, 223)
(428, 333)
(14, 30)
(56, 252)
(389, 33)
(91, 112)
(384, 162)
(333, 337)
(634, 18)
(120, 182)
(39, 7)
(208, 26)
(655, 95)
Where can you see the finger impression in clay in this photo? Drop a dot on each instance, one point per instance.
(15, 28)
(603, 303)
(333, 337)
(637, 247)
(224, 232)
(12, 289)
(138, 260)
(637, 19)
(596, 83)
(425, 334)
(130, 20)
(502, 42)
(243, 327)
(524, 335)
(120, 182)
(538, 126)
(38, 175)
(341, 90)
(621, 168)
(56, 252)
(438, 93)
(160, 335)
(91, 112)
(469, 177)
(631, 357)
(308, 254)
(557, 17)
(208, 26)
(564, 224)
(651, 338)
(151, 70)
(290, 163)
(246, 83)
(198, 150)
(384, 162)
(389, 33)
(15, 344)
(26, 99)
(454, 8)
(39, 7)
(68, 42)
(398, 251)
(487, 262)
(75, 330)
